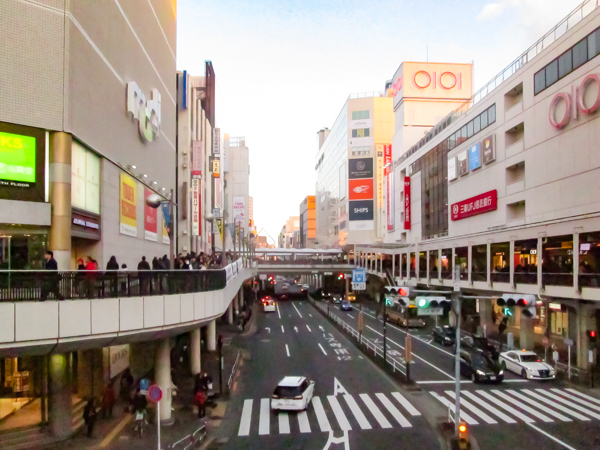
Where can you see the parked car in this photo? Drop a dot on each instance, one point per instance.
(345, 305)
(480, 368)
(268, 304)
(527, 364)
(445, 335)
(293, 393)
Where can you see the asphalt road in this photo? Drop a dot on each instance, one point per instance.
(515, 414)
(354, 400)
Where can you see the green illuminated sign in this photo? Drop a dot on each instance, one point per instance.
(389, 301)
(17, 157)
(423, 303)
(507, 312)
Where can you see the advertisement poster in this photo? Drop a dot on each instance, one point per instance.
(119, 359)
(361, 210)
(166, 222)
(489, 153)
(128, 206)
(216, 168)
(463, 167)
(197, 159)
(361, 189)
(452, 175)
(17, 158)
(239, 209)
(360, 168)
(474, 157)
(150, 219)
(407, 203)
(391, 200)
(196, 224)
(387, 154)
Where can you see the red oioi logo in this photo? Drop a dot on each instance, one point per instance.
(423, 80)
(361, 189)
(571, 104)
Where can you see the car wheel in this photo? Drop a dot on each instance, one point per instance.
(524, 373)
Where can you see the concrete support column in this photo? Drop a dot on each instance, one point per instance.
(230, 313)
(60, 198)
(540, 249)
(586, 320)
(488, 263)
(526, 332)
(60, 403)
(512, 267)
(485, 315)
(394, 269)
(236, 304)
(439, 264)
(162, 375)
(211, 336)
(90, 373)
(241, 296)
(470, 262)
(195, 363)
(576, 259)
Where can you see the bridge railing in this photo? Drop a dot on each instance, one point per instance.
(301, 261)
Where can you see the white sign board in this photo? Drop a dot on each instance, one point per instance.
(119, 359)
(359, 286)
(239, 209)
(430, 311)
(262, 276)
(195, 207)
(216, 141)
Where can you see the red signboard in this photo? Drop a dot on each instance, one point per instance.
(361, 189)
(479, 204)
(150, 219)
(407, 203)
(387, 154)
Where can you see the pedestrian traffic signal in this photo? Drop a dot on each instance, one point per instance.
(463, 436)
(527, 302)
(402, 291)
(341, 276)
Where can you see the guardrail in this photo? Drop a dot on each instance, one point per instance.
(371, 346)
(233, 369)
(191, 440)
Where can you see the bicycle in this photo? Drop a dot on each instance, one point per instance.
(140, 422)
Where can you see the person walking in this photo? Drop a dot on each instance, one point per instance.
(143, 265)
(200, 401)
(113, 267)
(108, 400)
(50, 285)
(90, 276)
(89, 417)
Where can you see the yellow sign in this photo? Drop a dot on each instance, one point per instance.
(220, 228)
(216, 168)
(128, 206)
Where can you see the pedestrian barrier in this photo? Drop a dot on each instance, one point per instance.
(191, 440)
(235, 364)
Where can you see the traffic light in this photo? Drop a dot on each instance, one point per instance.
(463, 436)
(432, 302)
(592, 339)
(341, 276)
(525, 301)
(402, 291)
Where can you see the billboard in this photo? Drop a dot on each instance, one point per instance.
(197, 158)
(473, 206)
(407, 213)
(22, 158)
(360, 168)
(361, 189)
(166, 222)
(128, 206)
(361, 210)
(391, 200)
(489, 152)
(239, 209)
(475, 157)
(150, 219)
(196, 203)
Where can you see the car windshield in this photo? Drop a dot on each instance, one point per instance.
(482, 361)
(288, 391)
(345, 302)
(449, 331)
(529, 358)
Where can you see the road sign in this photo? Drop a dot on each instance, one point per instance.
(359, 276)
(144, 384)
(568, 341)
(262, 276)
(327, 273)
(555, 356)
(408, 349)
(359, 286)
(154, 393)
(430, 311)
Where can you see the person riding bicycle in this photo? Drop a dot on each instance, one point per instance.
(140, 403)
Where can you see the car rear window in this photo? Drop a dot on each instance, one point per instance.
(288, 391)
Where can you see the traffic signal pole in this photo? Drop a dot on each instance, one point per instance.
(456, 306)
(384, 333)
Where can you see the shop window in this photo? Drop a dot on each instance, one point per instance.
(85, 178)
(565, 64)
(589, 259)
(422, 265)
(446, 263)
(594, 44)
(500, 262)
(413, 268)
(526, 260)
(580, 54)
(552, 73)
(479, 259)
(433, 264)
(462, 261)
(557, 257)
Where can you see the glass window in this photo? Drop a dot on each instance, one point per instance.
(552, 73)
(594, 44)
(484, 119)
(565, 64)
(580, 54)
(477, 125)
(451, 141)
(539, 81)
(492, 114)
(366, 132)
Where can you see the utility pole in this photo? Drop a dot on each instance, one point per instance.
(384, 328)
(456, 307)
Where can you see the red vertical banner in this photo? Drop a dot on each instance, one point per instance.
(150, 219)
(387, 154)
(407, 203)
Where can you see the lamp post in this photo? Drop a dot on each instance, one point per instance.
(154, 201)
(209, 217)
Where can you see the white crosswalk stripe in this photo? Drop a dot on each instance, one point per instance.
(337, 415)
(526, 405)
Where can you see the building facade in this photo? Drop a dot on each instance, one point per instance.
(350, 165)
(236, 190)
(289, 235)
(503, 189)
(308, 220)
(80, 156)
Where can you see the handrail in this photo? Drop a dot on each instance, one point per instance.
(237, 359)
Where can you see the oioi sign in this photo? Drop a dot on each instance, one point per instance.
(146, 112)
(574, 102)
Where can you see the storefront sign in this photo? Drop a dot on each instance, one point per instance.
(197, 158)
(128, 206)
(361, 210)
(407, 213)
(196, 203)
(387, 154)
(463, 166)
(360, 168)
(489, 150)
(474, 157)
(361, 189)
(216, 142)
(239, 209)
(150, 219)
(119, 359)
(84, 226)
(216, 168)
(391, 200)
(360, 123)
(85, 223)
(473, 206)
(565, 106)
(452, 173)
(146, 113)
(555, 306)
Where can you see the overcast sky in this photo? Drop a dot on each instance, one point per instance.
(284, 69)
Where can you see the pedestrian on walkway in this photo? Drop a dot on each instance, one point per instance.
(143, 276)
(108, 400)
(113, 267)
(126, 383)
(89, 417)
(50, 284)
(90, 276)
(200, 401)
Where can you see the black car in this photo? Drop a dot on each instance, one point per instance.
(478, 344)
(445, 335)
(480, 368)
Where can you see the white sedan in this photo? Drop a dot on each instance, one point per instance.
(293, 393)
(268, 304)
(527, 364)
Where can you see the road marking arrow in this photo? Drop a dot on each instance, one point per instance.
(268, 329)
(296, 329)
(321, 328)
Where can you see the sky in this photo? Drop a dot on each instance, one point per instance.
(284, 69)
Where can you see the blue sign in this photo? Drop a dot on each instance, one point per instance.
(474, 157)
(359, 276)
(144, 385)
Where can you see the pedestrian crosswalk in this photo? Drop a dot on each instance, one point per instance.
(522, 405)
(341, 412)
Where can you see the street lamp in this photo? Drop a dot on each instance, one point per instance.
(155, 201)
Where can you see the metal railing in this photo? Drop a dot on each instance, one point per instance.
(191, 440)
(34, 285)
(233, 369)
